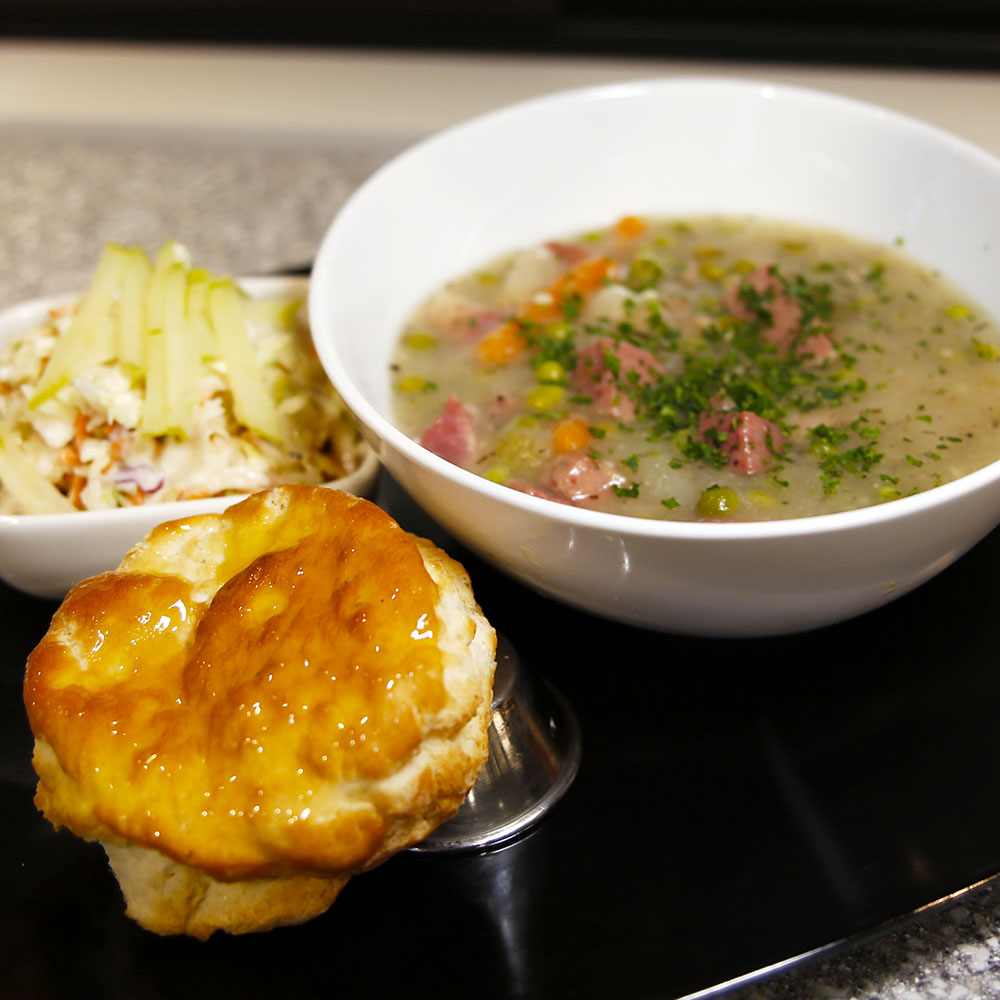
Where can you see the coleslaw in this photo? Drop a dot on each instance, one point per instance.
(165, 382)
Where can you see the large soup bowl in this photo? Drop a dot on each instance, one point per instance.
(561, 164)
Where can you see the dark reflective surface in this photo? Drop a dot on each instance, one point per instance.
(737, 803)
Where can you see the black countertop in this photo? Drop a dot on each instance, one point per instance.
(739, 804)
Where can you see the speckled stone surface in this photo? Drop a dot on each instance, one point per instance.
(253, 207)
(238, 206)
(949, 952)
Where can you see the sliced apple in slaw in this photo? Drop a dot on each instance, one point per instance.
(165, 321)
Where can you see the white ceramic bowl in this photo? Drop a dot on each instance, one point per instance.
(564, 163)
(45, 554)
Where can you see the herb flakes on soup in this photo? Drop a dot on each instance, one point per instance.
(706, 369)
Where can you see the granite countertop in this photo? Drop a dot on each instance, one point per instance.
(239, 208)
(140, 146)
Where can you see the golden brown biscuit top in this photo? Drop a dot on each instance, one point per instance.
(226, 692)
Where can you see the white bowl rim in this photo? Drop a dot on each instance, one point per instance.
(622, 524)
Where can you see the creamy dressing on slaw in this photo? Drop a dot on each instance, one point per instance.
(85, 439)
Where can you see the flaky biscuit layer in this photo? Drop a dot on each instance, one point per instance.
(286, 693)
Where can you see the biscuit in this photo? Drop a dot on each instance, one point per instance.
(258, 704)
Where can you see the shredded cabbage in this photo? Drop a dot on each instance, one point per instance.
(165, 382)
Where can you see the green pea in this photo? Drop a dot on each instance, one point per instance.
(558, 330)
(498, 474)
(644, 273)
(551, 372)
(709, 269)
(545, 397)
(988, 352)
(421, 341)
(682, 438)
(717, 501)
(412, 383)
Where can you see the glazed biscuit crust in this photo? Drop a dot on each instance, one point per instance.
(284, 694)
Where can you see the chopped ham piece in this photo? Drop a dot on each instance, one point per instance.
(462, 316)
(453, 434)
(786, 316)
(571, 253)
(819, 346)
(536, 491)
(750, 441)
(574, 476)
(761, 280)
(785, 319)
(594, 378)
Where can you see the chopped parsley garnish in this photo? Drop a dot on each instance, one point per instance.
(813, 299)
(736, 368)
(835, 460)
(626, 491)
(550, 345)
(988, 352)
(694, 337)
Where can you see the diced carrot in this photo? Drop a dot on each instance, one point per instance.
(501, 344)
(79, 430)
(117, 446)
(508, 340)
(75, 490)
(581, 280)
(629, 227)
(69, 454)
(570, 434)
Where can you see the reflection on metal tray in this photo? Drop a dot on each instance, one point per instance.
(738, 804)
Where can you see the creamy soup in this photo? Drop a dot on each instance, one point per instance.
(704, 369)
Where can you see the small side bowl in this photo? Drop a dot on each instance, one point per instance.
(45, 554)
(684, 146)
